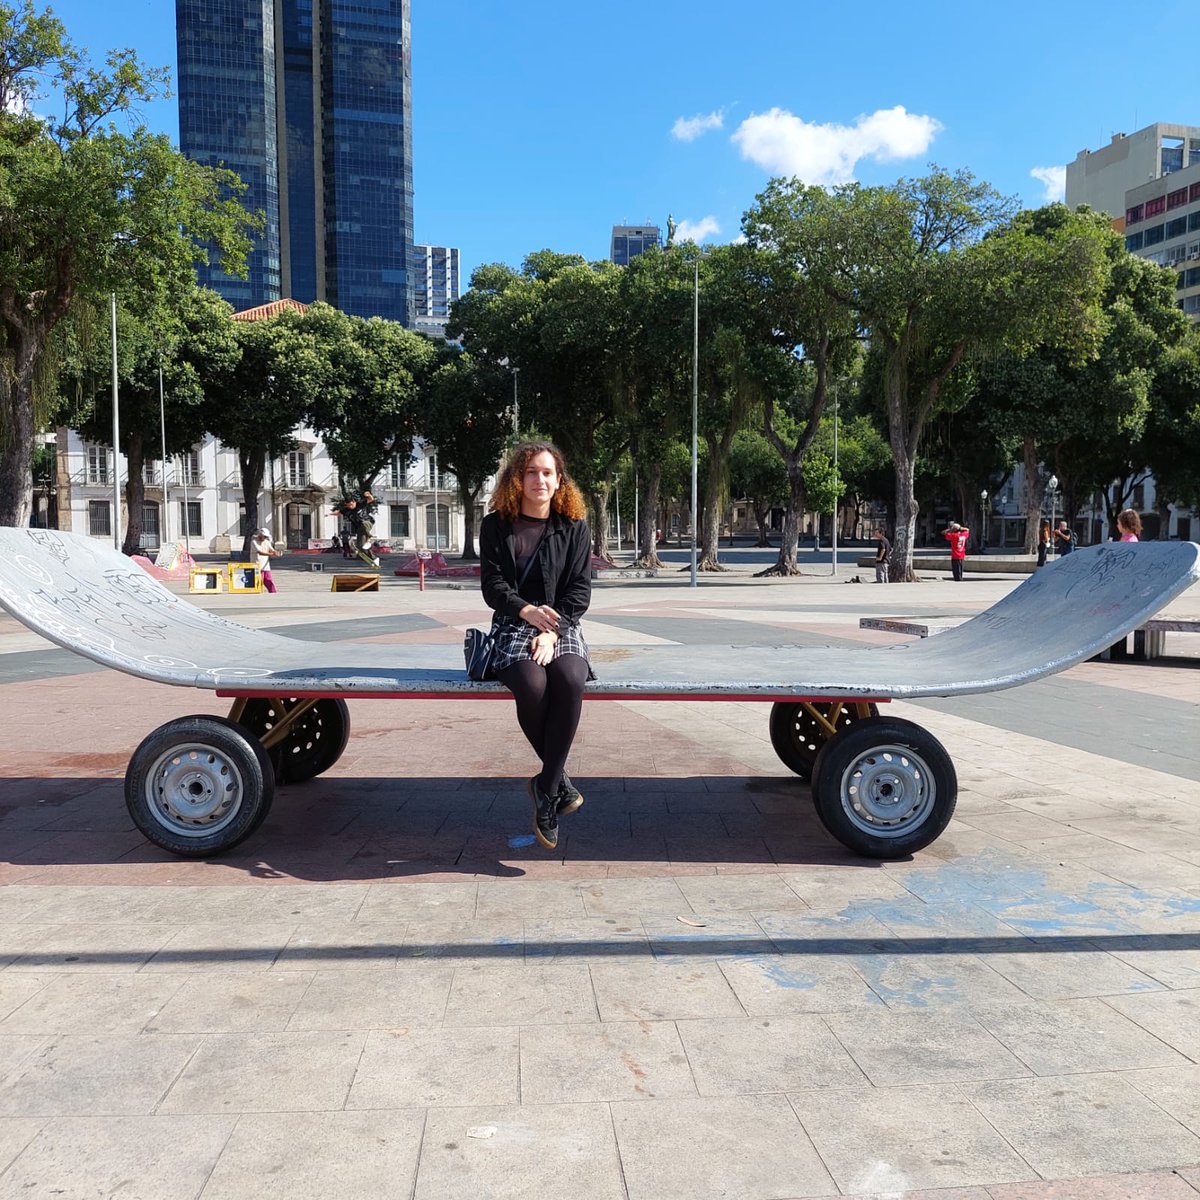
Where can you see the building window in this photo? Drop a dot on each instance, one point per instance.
(193, 476)
(1152, 236)
(297, 469)
(398, 471)
(99, 465)
(1194, 192)
(99, 518)
(189, 517)
(398, 515)
(1177, 227)
(437, 526)
(1172, 155)
(1191, 304)
(1177, 197)
(1193, 221)
(151, 473)
(1135, 214)
(1156, 206)
(1133, 242)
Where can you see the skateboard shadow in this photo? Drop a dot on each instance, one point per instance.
(365, 828)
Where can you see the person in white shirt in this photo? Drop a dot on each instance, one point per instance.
(264, 551)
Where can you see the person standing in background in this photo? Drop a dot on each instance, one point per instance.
(958, 536)
(264, 551)
(882, 550)
(1064, 538)
(1043, 542)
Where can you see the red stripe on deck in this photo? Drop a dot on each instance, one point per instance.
(736, 698)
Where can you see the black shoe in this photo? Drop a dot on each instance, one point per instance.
(569, 796)
(545, 818)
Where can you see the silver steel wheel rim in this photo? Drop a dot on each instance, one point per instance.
(888, 792)
(194, 790)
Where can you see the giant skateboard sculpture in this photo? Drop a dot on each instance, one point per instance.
(884, 787)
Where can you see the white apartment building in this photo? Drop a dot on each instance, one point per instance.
(201, 501)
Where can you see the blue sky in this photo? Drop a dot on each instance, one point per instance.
(541, 123)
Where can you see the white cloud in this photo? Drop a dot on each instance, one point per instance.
(697, 231)
(688, 129)
(784, 144)
(1053, 181)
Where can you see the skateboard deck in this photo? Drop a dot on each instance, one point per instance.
(87, 597)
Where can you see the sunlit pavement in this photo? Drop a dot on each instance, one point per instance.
(386, 991)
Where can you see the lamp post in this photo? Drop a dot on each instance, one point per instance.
(162, 421)
(516, 404)
(1052, 488)
(695, 406)
(834, 531)
(983, 503)
(116, 427)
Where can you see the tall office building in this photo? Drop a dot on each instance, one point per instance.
(1149, 183)
(310, 102)
(628, 241)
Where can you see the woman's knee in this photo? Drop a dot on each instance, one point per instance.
(568, 672)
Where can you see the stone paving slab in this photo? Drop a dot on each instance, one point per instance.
(700, 993)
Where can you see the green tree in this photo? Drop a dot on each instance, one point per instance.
(255, 405)
(366, 404)
(937, 269)
(1085, 419)
(189, 342)
(757, 473)
(463, 415)
(797, 227)
(85, 209)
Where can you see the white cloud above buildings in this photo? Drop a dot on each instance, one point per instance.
(785, 144)
(697, 231)
(1053, 181)
(688, 129)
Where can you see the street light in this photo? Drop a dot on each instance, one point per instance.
(833, 565)
(116, 426)
(516, 404)
(983, 502)
(700, 253)
(1052, 487)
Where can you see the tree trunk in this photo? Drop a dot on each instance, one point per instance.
(600, 522)
(16, 437)
(901, 565)
(468, 502)
(647, 541)
(710, 529)
(793, 514)
(1034, 495)
(761, 512)
(135, 492)
(253, 464)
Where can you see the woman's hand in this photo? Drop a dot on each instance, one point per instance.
(543, 619)
(543, 648)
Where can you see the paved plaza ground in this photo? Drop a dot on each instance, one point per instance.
(386, 992)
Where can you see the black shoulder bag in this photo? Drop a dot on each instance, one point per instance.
(479, 645)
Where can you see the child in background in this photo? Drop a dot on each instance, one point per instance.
(1129, 525)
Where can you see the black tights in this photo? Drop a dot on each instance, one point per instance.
(549, 701)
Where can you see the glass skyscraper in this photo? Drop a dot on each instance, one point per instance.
(310, 101)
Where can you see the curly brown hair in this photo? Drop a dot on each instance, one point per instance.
(506, 498)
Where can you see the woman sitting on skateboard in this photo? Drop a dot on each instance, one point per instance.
(536, 558)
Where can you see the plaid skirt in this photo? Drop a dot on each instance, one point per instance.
(514, 643)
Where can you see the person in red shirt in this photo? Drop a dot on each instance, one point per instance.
(957, 535)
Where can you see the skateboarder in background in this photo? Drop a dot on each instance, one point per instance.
(882, 550)
(360, 516)
(958, 536)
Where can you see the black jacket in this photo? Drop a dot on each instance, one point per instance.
(565, 562)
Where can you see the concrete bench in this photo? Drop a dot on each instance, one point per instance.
(1150, 638)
